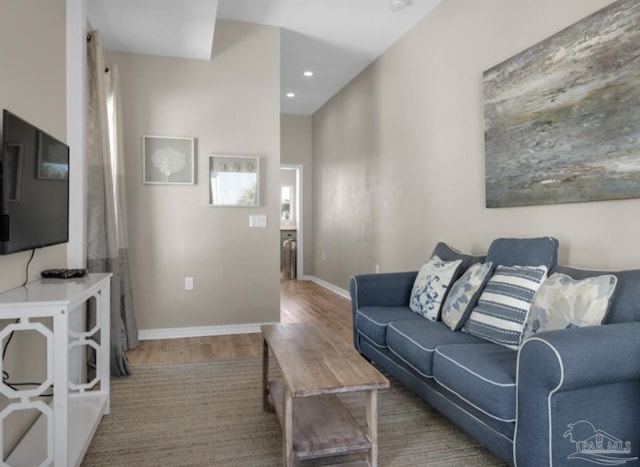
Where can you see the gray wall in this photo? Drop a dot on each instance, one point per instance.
(296, 149)
(398, 159)
(33, 86)
(231, 105)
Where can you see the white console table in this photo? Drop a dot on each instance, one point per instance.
(63, 431)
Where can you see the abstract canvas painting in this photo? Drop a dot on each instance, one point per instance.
(562, 118)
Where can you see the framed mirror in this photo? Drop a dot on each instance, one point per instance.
(286, 205)
(234, 181)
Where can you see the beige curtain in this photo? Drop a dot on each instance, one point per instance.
(107, 249)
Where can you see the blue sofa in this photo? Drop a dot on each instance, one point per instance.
(565, 398)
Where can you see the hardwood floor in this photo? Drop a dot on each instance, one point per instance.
(301, 302)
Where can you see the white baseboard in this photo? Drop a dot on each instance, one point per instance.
(198, 331)
(329, 286)
(203, 331)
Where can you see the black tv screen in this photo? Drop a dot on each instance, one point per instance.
(34, 187)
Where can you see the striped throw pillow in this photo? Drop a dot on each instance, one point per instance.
(502, 309)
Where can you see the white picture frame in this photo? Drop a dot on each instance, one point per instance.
(234, 181)
(168, 160)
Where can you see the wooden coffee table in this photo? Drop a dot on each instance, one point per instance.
(315, 366)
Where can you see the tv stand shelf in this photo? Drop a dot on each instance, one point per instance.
(62, 432)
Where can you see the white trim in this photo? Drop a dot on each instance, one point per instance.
(477, 407)
(355, 282)
(487, 380)
(76, 67)
(371, 342)
(433, 391)
(551, 393)
(411, 365)
(299, 216)
(358, 312)
(329, 286)
(199, 331)
(410, 339)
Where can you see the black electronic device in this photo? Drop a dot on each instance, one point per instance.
(34, 187)
(63, 273)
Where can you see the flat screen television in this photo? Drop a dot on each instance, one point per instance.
(34, 187)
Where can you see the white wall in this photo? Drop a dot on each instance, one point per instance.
(296, 150)
(398, 155)
(231, 106)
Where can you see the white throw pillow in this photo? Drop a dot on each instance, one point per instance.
(563, 302)
(431, 285)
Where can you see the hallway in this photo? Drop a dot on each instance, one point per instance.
(300, 302)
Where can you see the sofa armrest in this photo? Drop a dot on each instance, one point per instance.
(386, 289)
(582, 377)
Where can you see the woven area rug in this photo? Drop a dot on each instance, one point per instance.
(210, 414)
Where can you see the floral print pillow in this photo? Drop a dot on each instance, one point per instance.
(563, 302)
(464, 294)
(430, 287)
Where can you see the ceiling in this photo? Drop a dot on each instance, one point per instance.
(335, 39)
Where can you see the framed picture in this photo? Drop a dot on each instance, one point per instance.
(234, 181)
(168, 160)
(53, 158)
(13, 168)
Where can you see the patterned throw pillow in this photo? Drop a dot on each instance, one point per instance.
(430, 287)
(503, 307)
(464, 294)
(563, 302)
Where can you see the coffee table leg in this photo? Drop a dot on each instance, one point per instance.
(265, 377)
(372, 426)
(287, 429)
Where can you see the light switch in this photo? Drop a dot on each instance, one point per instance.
(258, 221)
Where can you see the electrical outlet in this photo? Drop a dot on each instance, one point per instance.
(377, 269)
(188, 283)
(324, 256)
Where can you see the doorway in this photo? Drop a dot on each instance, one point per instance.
(291, 225)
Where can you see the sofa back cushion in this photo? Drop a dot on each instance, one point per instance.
(625, 304)
(448, 253)
(541, 251)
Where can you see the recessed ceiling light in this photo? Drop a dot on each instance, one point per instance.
(397, 5)
(291, 95)
(308, 73)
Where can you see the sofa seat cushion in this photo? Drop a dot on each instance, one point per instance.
(415, 342)
(482, 374)
(372, 321)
